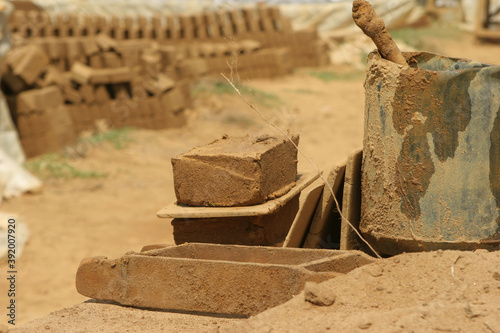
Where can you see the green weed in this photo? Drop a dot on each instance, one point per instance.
(119, 138)
(54, 166)
(222, 87)
(328, 76)
(418, 37)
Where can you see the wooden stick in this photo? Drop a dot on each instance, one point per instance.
(374, 27)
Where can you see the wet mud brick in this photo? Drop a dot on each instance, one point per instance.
(236, 171)
(28, 63)
(265, 230)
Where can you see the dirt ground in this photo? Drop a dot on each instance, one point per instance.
(78, 218)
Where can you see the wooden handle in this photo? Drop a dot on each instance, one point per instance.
(374, 27)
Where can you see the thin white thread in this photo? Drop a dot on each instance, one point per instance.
(308, 159)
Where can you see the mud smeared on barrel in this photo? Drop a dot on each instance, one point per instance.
(425, 103)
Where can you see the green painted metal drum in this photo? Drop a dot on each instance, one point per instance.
(431, 154)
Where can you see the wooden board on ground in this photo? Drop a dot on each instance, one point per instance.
(182, 211)
(326, 212)
(308, 202)
(351, 203)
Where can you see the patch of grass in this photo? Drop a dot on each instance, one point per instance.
(328, 76)
(222, 87)
(119, 138)
(303, 91)
(263, 98)
(213, 87)
(54, 166)
(417, 37)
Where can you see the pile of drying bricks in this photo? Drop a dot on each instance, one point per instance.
(59, 87)
(262, 23)
(136, 72)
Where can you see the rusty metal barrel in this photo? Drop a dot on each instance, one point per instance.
(431, 154)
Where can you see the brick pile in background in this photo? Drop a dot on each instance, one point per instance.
(136, 71)
(57, 88)
(261, 23)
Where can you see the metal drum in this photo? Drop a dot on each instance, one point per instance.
(431, 154)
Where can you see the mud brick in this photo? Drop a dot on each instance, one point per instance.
(84, 116)
(173, 27)
(238, 22)
(159, 84)
(213, 29)
(145, 27)
(137, 45)
(237, 171)
(74, 26)
(53, 47)
(39, 99)
(193, 68)
(35, 27)
(186, 27)
(30, 62)
(154, 105)
(117, 75)
(13, 82)
(87, 93)
(105, 42)
(206, 50)
(249, 46)
(168, 54)
(173, 100)
(73, 48)
(185, 88)
(120, 91)
(23, 125)
(71, 95)
(150, 60)
(101, 94)
(95, 61)
(251, 20)
(81, 73)
(200, 27)
(89, 46)
(143, 109)
(159, 27)
(111, 60)
(224, 22)
(266, 230)
(265, 20)
(94, 112)
(105, 111)
(74, 114)
(53, 76)
(176, 119)
(61, 123)
(60, 64)
(281, 22)
(130, 58)
(81, 59)
(89, 26)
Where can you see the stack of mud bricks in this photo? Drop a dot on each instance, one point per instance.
(261, 23)
(127, 83)
(232, 173)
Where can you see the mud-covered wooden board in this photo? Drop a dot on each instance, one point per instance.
(176, 210)
(308, 202)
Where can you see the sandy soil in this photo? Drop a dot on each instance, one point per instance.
(109, 216)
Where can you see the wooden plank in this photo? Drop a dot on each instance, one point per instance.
(326, 213)
(351, 203)
(183, 211)
(308, 201)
